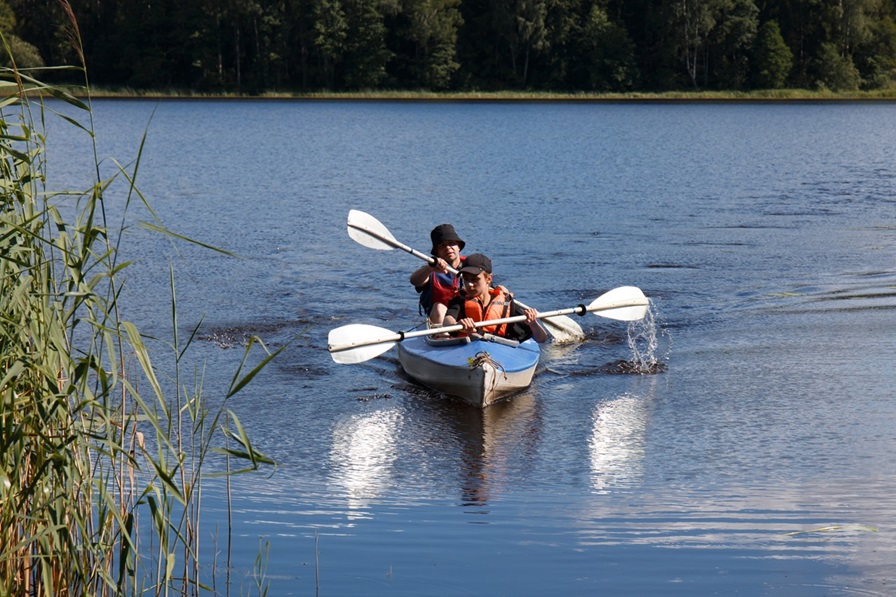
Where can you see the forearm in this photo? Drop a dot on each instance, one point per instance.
(421, 276)
(538, 332)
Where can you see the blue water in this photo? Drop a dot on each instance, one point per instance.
(755, 461)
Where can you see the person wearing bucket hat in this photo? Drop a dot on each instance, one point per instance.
(481, 302)
(436, 285)
(444, 234)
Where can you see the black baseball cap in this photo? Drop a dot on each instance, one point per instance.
(476, 264)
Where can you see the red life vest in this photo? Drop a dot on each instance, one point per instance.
(498, 307)
(444, 287)
(440, 290)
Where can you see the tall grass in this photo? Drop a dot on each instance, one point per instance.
(100, 469)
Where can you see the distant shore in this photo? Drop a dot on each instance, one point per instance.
(782, 95)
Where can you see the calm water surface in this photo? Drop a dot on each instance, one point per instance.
(758, 462)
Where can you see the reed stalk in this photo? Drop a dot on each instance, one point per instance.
(101, 468)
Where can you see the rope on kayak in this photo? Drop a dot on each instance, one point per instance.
(483, 357)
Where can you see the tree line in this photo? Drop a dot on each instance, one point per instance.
(253, 46)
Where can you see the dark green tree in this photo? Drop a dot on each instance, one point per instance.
(531, 35)
(772, 58)
(265, 54)
(431, 27)
(731, 41)
(366, 54)
(298, 35)
(244, 26)
(482, 47)
(603, 54)
(520, 30)
(854, 20)
(655, 36)
(136, 51)
(801, 24)
(694, 22)
(330, 33)
(25, 54)
(599, 45)
(876, 59)
(43, 25)
(835, 71)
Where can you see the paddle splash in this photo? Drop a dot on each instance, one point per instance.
(643, 341)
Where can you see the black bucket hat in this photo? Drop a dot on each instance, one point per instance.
(444, 233)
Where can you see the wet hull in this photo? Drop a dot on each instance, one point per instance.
(479, 372)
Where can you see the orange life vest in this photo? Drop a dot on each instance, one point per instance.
(498, 307)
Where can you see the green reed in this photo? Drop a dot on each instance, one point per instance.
(101, 465)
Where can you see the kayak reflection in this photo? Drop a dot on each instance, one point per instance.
(495, 443)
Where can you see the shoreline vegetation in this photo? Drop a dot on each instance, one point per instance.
(763, 96)
(106, 434)
(455, 46)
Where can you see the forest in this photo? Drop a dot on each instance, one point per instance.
(592, 46)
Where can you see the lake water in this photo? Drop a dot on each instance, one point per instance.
(758, 460)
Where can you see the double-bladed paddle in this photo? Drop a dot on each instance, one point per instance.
(370, 232)
(358, 342)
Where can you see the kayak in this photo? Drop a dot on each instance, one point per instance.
(479, 369)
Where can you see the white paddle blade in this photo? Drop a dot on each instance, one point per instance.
(626, 303)
(563, 329)
(358, 342)
(366, 230)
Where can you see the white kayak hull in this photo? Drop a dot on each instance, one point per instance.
(478, 371)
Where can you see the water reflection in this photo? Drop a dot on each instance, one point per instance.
(494, 442)
(617, 442)
(363, 456)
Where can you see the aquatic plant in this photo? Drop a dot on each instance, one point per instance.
(101, 468)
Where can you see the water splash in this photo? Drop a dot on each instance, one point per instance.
(643, 341)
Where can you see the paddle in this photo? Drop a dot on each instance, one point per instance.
(358, 342)
(370, 232)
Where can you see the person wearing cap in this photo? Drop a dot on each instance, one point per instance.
(436, 285)
(481, 302)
